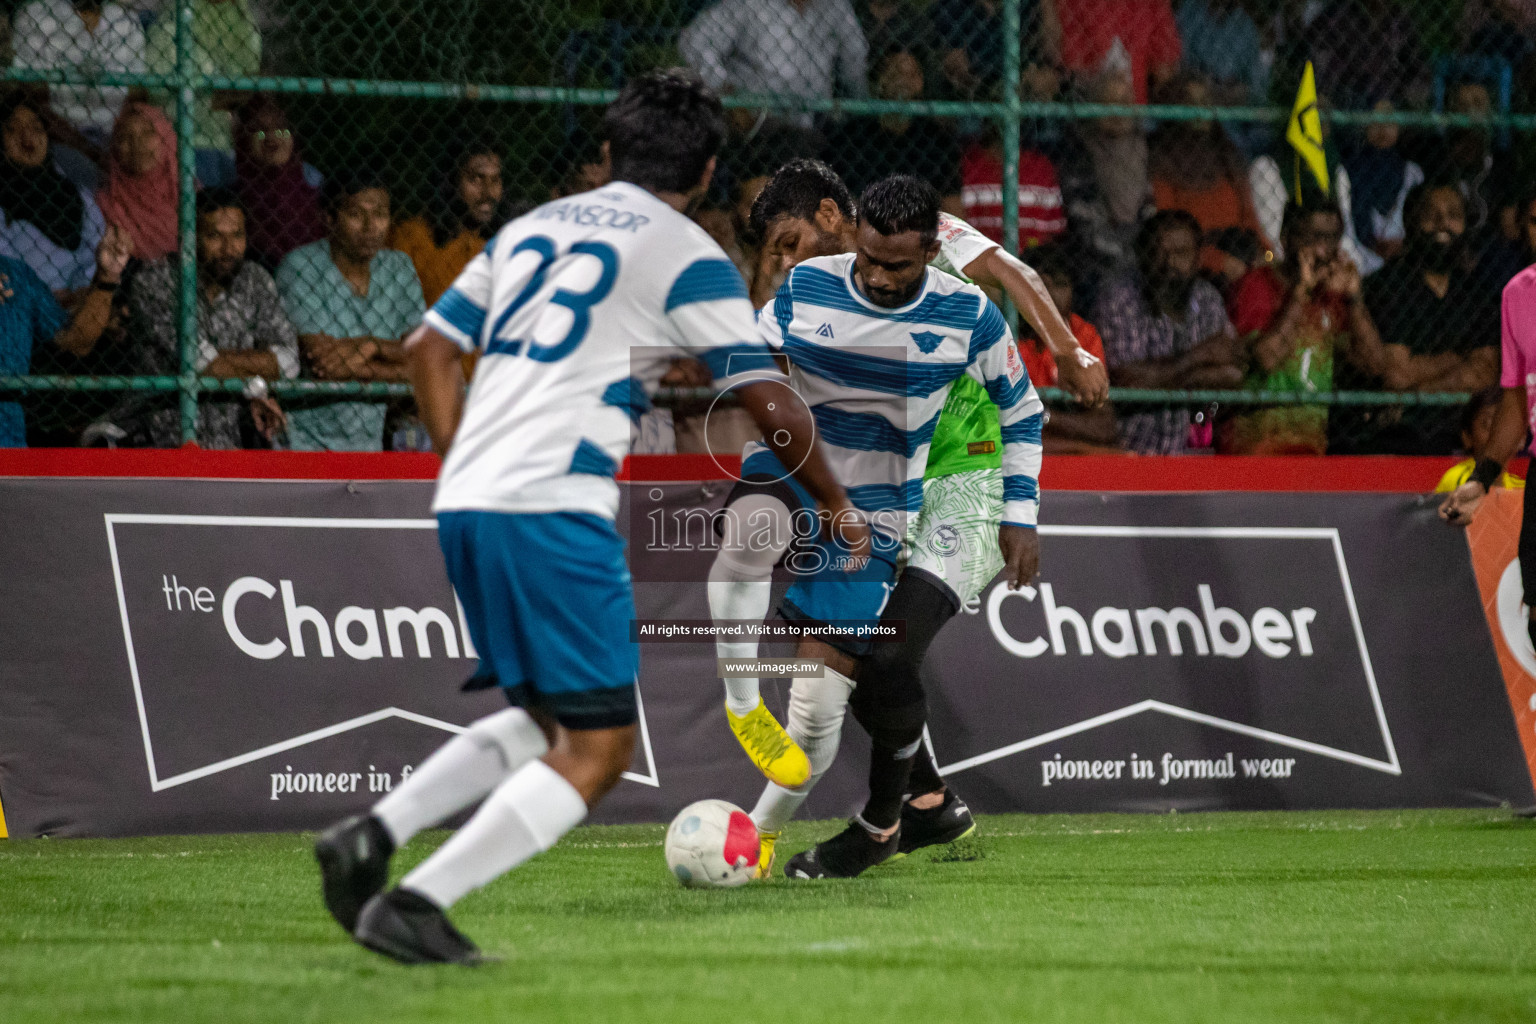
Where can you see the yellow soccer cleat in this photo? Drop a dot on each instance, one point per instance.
(765, 854)
(773, 751)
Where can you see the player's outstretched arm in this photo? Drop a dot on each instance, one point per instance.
(1503, 442)
(1080, 373)
(437, 376)
(789, 430)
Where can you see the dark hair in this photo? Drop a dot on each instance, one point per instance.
(1297, 213)
(211, 200)
(1479, 401)
(342, 186)
(1051, 260)
(901, 203)
(663, 129)
(1413, 202)
(1154, 227)
(796, 190)
(14, 99)
(446, 215)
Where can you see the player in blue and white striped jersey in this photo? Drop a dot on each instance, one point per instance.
(575, 309)
(875, 339)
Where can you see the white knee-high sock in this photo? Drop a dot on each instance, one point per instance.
(526, 815)
(816, 709)
(461, 773)
(757, 531)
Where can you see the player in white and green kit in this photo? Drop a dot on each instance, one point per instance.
(806, 211)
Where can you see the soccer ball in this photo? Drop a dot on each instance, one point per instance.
(712, 844)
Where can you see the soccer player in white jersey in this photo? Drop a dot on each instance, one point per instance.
(876, 339)
(806, 211)
(573, 308)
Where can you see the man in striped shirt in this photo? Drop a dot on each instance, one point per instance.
(875, 340)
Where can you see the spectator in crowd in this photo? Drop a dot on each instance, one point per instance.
(85, 36)
(1440, 315)
(1467, 157)
(1381, 177)
(465, 215)
(143, 188)
(1221, 43)
(280, 192)
(242, 334)
(1194, 166)
(352, 302)
(972, 43)
(225, 41)
(1095, 36)
(46, 221)
(895, 25)
(1499, 29)
(1272, 183)
(870, 148)
(1239, 252)
(1042, 214)
(1069, 430)
(1362, 49)
(30, 316)
(1296, 319)
(1164, 326)
(1476, 429)
(802, 48)
(1105, 185)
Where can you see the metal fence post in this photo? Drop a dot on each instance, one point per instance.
(186, 160)
(1012, 28)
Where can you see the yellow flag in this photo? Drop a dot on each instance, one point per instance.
(1305, 133)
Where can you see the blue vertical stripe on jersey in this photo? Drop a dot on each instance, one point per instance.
(815, 287)
(628, 394)
(868, 432)
(457, 309)
(1020, 488)
(989, 329)
(1027, 430)
(742, 357)
(589, 458)
(871, 373)
(705, 281)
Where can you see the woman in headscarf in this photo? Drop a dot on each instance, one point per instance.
(280, 192)
(142, 190)
(46, 221)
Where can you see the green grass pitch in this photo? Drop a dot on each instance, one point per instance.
(1341, 916)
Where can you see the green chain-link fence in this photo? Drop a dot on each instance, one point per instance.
(297, 180)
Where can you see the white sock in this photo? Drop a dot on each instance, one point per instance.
(816, 709)
(756, 533)
(526, 815)
(461, 773)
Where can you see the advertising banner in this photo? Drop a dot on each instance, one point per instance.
(203, 655)
(1495, 538)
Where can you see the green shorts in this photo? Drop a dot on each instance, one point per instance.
(954, 539)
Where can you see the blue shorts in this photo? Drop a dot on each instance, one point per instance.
(823, 592)
(548, 604)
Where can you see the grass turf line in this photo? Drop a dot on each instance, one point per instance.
(1338, 916)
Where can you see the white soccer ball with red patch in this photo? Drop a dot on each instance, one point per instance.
(712, 844)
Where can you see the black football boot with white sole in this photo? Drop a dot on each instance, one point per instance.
(848, 854)
(950, 821)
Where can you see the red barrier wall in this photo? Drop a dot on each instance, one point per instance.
(1062, 473)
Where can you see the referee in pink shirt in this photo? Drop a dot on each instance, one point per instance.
(1516, 415)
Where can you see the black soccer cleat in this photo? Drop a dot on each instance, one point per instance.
(407, 927)
(354, 865)
(848, 854)
(936, 826)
